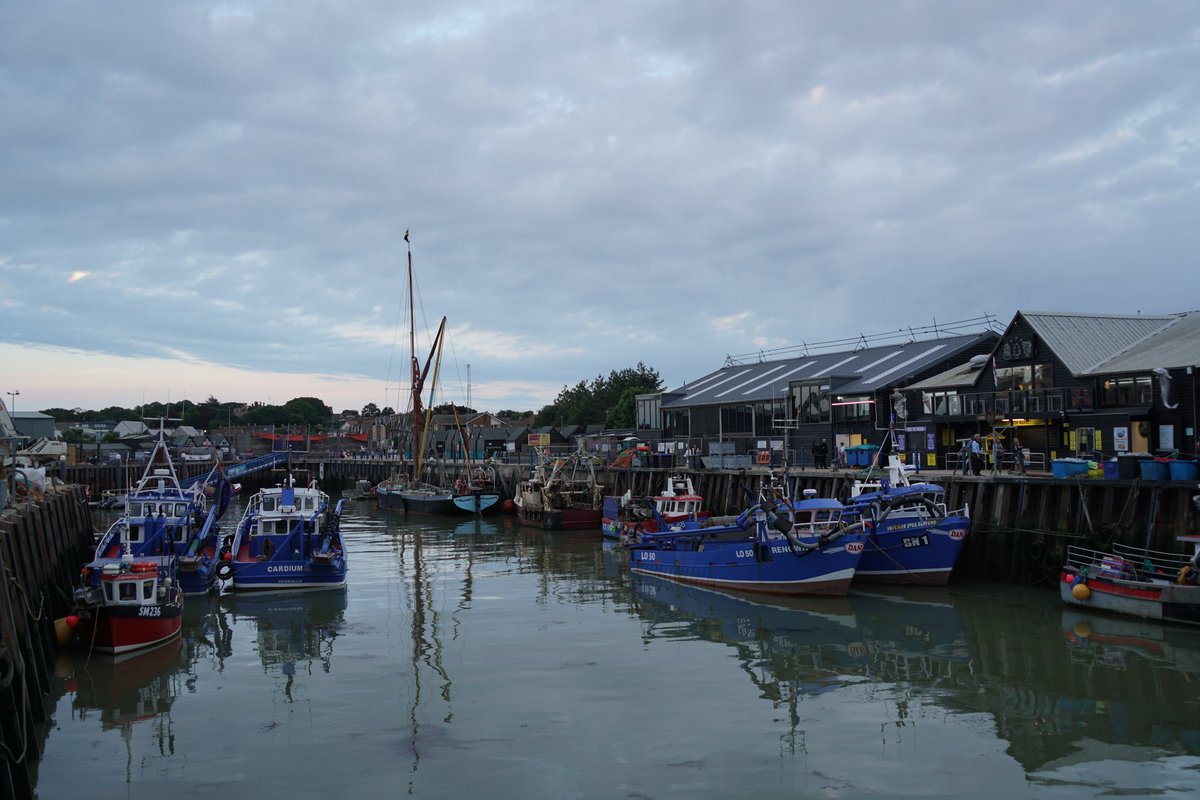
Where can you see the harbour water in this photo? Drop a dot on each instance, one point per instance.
(474, 659)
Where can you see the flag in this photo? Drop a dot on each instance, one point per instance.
(995, 380)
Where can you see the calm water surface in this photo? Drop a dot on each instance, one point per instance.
(484, 660)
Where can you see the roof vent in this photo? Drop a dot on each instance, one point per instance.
(978, 361)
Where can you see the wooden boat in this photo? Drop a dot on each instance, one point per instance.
(289, 538)
(414, 491)
(1136, 582)
(125, 604)
(164, 517)
(758, 552)
(561, 494)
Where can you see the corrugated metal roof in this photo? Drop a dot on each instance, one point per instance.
(867, 370)
(1176, 344)
(964, 375)
(1081, 341)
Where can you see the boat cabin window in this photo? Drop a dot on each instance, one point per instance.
(108, 591)
(270, 503)
(147, 590)
(135, 534)
(127, 591)
(180, 509)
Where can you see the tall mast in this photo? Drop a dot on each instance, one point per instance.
(412, 349)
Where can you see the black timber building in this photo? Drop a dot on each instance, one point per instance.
(1073, 384)
(848, 397)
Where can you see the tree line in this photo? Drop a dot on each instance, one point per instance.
(607, 400)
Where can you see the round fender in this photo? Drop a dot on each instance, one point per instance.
(224, 570)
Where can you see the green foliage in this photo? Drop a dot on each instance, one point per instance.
(590, 403)
(449, 408)
(74, 436)
(370, 410)
(624, 413)
(63, 414)
(299, 411)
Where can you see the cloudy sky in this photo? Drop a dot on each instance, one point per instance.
(210, 198)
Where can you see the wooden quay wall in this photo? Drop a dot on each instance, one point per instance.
(43, 542)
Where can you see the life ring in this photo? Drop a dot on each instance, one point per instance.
(224, 571)
(764, 456)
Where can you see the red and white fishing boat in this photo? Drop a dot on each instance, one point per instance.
(128, 604)
(678, 502)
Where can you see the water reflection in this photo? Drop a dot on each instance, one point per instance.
(294, 632)
(459, 644)
(132, 692)
(793, 648)
(1062, 686)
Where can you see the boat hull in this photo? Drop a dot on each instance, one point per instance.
(476, 503)
(417, 502)
(922, 553)
(740, 566)
(123, 629)
(269, 576)
(570, 519)
(1164, 601)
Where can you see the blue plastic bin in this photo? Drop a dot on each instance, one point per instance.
(1068, 467)
(1155, 470)
(1111, 470)
(1182, 469)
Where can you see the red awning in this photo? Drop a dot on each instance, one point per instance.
(291, 437)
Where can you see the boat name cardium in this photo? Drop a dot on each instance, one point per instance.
(287, 568)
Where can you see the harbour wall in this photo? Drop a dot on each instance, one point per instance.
(43, 542)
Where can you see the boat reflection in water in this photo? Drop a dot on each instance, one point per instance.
(291, 629)
(1073, 697)
(133, 694)
(796, 647)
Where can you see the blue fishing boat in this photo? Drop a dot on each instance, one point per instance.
(912, 538)
(759, 551)
(162, 518)
(289, 538)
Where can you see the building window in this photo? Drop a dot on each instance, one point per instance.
(769, 415)
(852, 410)
(1127, 392)
(811, 402)
(941, 404)
(737, 419)
(675, 423)
(1024, 378)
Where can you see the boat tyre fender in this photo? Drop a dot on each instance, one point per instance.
(224, 570)
(228, 540)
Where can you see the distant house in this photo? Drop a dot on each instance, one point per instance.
(130, 428)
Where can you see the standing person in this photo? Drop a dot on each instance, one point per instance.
(976, 455)
(997, 453)
(841, 455)
(1018, 455)
(824, 454)
(964, 456)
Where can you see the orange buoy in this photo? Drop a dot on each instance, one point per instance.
(1080, 591)
(509, 506)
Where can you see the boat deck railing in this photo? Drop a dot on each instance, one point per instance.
(1129, 563)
